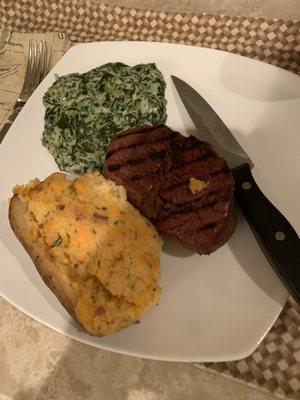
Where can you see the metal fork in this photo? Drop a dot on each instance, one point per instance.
(38, 65)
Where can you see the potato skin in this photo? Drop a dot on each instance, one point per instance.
(45, 268)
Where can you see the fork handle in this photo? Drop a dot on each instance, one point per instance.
(9, 122)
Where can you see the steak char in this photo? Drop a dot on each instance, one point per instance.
(155, 165)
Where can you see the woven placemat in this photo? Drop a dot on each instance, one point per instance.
(275, 365)
(273, 41)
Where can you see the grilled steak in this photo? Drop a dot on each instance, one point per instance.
(157, 166)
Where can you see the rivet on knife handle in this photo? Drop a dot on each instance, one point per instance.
(275, 235)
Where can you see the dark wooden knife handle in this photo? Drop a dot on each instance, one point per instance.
(275, 235)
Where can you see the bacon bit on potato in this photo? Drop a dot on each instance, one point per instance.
(101, 217)
(100, 310)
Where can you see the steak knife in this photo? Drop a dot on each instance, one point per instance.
(275, 235)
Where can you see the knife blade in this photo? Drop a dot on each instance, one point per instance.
(275, 235)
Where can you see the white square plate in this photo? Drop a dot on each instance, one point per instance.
(213, 308)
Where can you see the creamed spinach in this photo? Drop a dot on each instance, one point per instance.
(83, 111)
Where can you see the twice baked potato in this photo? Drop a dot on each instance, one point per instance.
(93, 249)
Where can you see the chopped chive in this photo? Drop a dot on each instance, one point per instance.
(57, 242)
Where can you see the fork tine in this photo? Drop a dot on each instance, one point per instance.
(28, 72)
(43, 50)
(32, 69)
(47, 58)
(45, 62)
(36, 65)
(35, 68)
(39, 62)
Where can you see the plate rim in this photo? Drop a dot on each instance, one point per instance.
(133, 353)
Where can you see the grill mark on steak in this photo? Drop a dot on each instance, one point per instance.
(208, 240)
(129, 174)
(203, 157)
(155, 165)
(131, 141)
(141, 130)
(195, 204)
(182, 195)
(202, 169)
(175, 185)
(191, 155)
(134, 146)
(135, 162)
(186, 181)
(141, 151)
(188, 209)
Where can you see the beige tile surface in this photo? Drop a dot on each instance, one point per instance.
(37, 363)
(286, 9)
